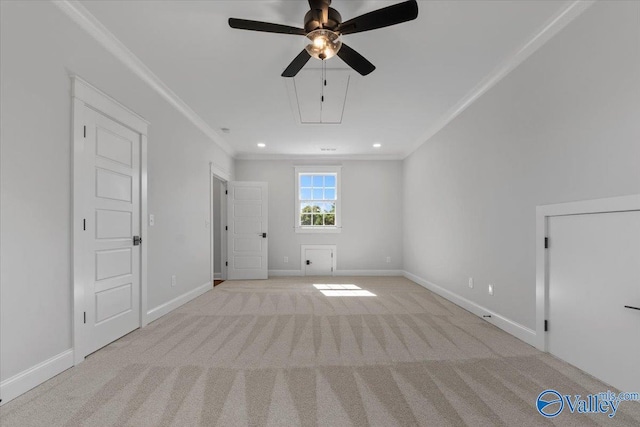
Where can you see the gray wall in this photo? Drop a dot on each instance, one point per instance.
(563, 126)
(39, 48)
(371, 213)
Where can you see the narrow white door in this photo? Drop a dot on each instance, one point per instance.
(247, 218)
(594, 272)
(112, 262)
(318, 262)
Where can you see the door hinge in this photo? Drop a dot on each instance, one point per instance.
(546, 325)
(332, 269)
(85, 131)
(226, 191)
(84, 224)
(85, 317)
(546, 243)
(331, 254)
(226, 227)
(226, 264)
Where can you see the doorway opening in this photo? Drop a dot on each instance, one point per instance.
(218, 219)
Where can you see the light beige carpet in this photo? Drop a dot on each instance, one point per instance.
(280, 353)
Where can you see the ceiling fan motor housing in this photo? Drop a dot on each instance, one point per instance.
(312, 20)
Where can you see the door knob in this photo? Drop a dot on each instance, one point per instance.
(264, 235)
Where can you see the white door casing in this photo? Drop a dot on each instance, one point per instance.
(318, 260)
(109, 197)
(247, 236)
(594, 272)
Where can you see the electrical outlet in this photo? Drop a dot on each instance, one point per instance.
(470, 282)
(286, 259)
(173, 280)
(388, 259)
(152, 220)
(490, 289)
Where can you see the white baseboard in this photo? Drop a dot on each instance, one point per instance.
(517, 330)
(285, 273)
(338, 273)
(217, 276)
(161, 310)
(386, 273)
(34, 376)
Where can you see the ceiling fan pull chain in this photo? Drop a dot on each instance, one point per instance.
(324, 80)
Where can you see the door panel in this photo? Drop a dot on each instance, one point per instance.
(594, 271)
(113, 224)
(318, 262)
(112, 162)
(247, 209)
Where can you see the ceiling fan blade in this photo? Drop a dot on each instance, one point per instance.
(355, 60)
(267, 27)
(297, 64)
(391, 15)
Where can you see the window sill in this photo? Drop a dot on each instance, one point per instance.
(316, 230)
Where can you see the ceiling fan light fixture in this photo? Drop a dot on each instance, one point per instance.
(324, 44)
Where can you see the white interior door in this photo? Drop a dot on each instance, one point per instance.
(318, 262)
(112, 261)
(247, 217)
(594, 272)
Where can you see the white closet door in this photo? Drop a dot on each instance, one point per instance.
(594, 272)
(247, 237)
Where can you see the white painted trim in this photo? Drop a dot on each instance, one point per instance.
(217, 276)
(212, 255)
(334, 259)
(156, 313)
(77, 308)
(339, 273)
(517, 330)
(285, 273)
(543, 212)
(383, 273)
(317, 169)
(100, 101)
(86, 95)
(551, 27)
(34, 376)
(144, 218)
(219, 172)
(81, 16)
(319, 157)
(223, 229)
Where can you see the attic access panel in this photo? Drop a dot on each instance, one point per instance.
(313, 102)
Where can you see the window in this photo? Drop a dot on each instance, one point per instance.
(317, 205)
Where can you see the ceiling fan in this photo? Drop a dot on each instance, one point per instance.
(323, 26)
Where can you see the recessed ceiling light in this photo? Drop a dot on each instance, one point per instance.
(261, 144)
(376, 145)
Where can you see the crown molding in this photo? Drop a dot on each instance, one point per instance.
(545, 33)
(81, 16)
(311, 157)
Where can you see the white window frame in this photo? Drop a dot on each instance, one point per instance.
(337, 228)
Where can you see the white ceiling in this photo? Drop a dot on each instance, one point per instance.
(231, 78)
